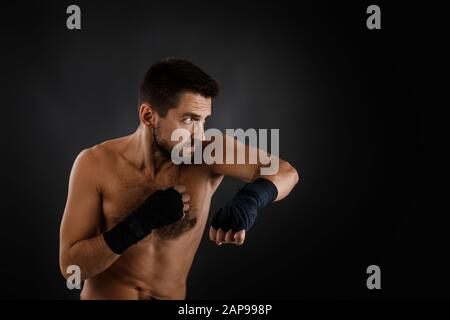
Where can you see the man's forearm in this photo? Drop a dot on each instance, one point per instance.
(285, 180)
(93, 256)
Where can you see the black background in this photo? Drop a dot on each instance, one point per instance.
(349, 102)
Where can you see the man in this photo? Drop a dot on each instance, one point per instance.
(133, 219)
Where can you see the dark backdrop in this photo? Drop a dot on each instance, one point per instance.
(349, 103)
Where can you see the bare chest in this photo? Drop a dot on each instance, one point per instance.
(124, 191)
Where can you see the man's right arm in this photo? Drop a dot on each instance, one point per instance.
(81, 241)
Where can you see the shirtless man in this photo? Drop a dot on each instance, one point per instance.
(133, 219)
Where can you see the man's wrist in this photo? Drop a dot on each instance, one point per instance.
(264, 190)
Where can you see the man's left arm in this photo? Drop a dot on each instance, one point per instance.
(238, 215)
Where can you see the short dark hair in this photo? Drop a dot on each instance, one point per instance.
(167, 80)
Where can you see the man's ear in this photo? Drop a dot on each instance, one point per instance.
(147, 115)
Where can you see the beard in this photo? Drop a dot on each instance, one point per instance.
(165, 149)
(160, 145)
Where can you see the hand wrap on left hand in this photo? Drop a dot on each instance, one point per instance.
(240, 213)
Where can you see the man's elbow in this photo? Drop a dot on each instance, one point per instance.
(66, 263)
(291, 172)
(63, 266)
(68, 268)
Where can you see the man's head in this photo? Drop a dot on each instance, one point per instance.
(175, 94)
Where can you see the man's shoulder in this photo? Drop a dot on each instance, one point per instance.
(99, 155)
(93, 155)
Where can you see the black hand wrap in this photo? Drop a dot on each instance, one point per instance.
(161, 208)
(240, 213)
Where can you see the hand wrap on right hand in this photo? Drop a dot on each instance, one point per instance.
(162, 208)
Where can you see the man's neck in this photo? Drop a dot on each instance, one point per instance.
(141, 152)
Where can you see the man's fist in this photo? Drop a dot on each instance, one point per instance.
(229, 223)
(161, 208)
(219, 236)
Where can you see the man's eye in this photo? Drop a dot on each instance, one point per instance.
(187, 120)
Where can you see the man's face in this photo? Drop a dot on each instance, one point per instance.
(190, 114)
